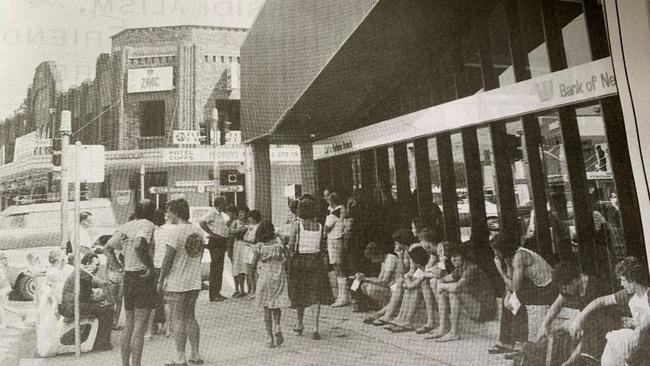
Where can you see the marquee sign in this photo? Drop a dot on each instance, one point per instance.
(150, 79)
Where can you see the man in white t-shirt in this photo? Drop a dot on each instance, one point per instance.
(180, 278)
(215, 223)
(334, 229)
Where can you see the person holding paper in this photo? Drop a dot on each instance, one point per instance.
(465, 289)
(377, 288)
(528, 278)
(403, 239)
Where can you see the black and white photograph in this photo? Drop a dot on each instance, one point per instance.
(324, 182)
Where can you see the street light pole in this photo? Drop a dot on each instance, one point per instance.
(65, 129)
(214, 116)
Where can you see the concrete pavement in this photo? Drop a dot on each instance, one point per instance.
(232, 333)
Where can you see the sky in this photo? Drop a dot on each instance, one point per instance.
(74, 32)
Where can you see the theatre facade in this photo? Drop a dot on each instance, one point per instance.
(481, 109)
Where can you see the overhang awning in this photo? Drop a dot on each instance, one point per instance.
(394, 39)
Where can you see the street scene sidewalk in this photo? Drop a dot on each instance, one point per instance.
(232, 333)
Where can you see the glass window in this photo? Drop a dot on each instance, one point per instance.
(464, 217)
(152, 118)
(410, 149)
(571, 21)
(499, 45)
(600, 183)
(489, 174)
(434, 170)
(558, 188)
(532, 34)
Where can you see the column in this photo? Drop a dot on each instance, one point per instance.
(508, 218)
(402, 173)
(262, 178)
(448, 187)
(474, 173)
(308, 170)
(423, 177)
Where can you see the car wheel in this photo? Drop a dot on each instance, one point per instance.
(26, 288)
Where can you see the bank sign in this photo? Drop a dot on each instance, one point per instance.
(150, 79)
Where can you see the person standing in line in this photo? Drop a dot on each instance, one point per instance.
(232, 212)
(160, 315)
(308, 283)
(215, 224)
(240, 269)
(180, 279)
(86, 236)
(335, 229)
(269, 256)
(250, 238)
(135, 238)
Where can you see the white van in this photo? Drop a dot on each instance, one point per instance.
(36, 228)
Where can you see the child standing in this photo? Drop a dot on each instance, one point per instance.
(269, 257)
(239, 267)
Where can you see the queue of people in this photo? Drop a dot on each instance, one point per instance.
(154, 262)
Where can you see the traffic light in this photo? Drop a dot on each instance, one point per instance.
(56, 153)
(231, 178)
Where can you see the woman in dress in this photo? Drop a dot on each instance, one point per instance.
(238, 229)
(308, 284)
(250, 238)
(269, 257)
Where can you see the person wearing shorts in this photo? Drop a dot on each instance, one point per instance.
(335, 229)
(134, 239)
(180, 279)
(466, 289)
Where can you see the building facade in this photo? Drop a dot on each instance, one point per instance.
(474, 109)
(153, 82)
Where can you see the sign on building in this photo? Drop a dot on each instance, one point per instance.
(150, 79)
(123, 197)
(25, 145)
(186, 137)
(202, 155)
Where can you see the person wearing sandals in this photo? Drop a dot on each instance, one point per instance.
(436, 255)
(180, 279)
(269, 257)
(378, 288)
(528, 280)
(238, 229)
(402, 239)
(466, 289)
(308, 283)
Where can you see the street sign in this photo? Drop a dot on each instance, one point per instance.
(186, 183)
(91, 163)
(186, 137)
(194, 189)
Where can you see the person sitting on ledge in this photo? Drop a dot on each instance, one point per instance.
(467, 288)
(90, 305)
(624, 346)
(403, 239)
(377, 288)
(576, 291)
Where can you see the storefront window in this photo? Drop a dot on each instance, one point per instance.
(392, 172)
(558, 189)
(464, 216)
(499, 45)
(600, 184)
(571, 21)
(410, 148)
(532, 34)
(434, 169)
(489, 175)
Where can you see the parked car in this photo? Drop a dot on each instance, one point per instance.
(36, 228)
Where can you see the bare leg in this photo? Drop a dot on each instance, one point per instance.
(125, 341)
(443, 313)
(429, 303)
(454, 317)
(192, 328)
(315, 311)
(389, 311)
(137, 339)
(268, 322)
(180, 329)
(409, 305)
(277, 315)
(118, 304)
(300, 313)
(169, 326)
(149, 331)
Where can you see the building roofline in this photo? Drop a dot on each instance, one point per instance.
(213, 27)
